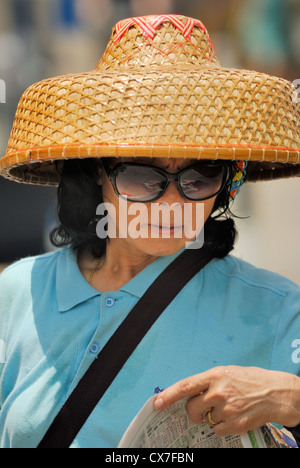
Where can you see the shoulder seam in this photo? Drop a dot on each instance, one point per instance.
(250, 281)
(29, 260)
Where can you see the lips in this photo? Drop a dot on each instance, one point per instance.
(164, 227)
(165, 231)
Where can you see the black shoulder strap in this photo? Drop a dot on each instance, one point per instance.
(121, 345)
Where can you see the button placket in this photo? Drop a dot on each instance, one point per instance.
(109, 302)
(94, 349)
(109, 313)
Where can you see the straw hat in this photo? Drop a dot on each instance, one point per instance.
(158, 91)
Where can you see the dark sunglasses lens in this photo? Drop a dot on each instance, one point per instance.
(139, 183)
(203, 181)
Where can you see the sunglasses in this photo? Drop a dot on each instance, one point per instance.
(138, 182)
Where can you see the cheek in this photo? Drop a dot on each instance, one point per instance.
(108, 192)
(126, 217)
(196, 216)
(201, 211)
(208, 207)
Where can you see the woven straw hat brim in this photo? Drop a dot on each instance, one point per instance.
(201, 111)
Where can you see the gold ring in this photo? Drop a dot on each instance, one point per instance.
(210, 420)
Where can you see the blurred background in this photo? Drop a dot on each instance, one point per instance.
(44, 38)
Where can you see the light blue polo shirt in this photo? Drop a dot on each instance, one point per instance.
(53, 324)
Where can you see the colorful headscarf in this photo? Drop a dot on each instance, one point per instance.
(238, 179)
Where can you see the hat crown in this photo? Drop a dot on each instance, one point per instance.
(158, 40)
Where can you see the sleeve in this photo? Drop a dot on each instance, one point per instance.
(2, 335)
(286, 350)
(7, 293)
(2, 364)
(286, 347)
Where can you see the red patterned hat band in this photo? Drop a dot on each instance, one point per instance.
(149, 25)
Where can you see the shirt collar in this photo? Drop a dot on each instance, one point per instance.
(139, 284)
(71, 287)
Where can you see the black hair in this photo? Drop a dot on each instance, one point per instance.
(79, 194)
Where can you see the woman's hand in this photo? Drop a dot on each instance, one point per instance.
(239, 399)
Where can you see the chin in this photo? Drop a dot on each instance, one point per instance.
(161, 247)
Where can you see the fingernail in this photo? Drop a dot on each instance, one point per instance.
(158, 403)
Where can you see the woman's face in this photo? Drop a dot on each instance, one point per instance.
(159, 228)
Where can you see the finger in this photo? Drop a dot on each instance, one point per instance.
(197, 409)
(188, 387)
(224, 429)
(213, 418)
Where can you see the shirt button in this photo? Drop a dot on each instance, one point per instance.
(95, 349)
(109, 302)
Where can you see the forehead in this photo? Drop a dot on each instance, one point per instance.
(166, 163)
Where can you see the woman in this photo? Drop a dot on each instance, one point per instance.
(159, 124)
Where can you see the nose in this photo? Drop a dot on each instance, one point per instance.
(172, 194)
